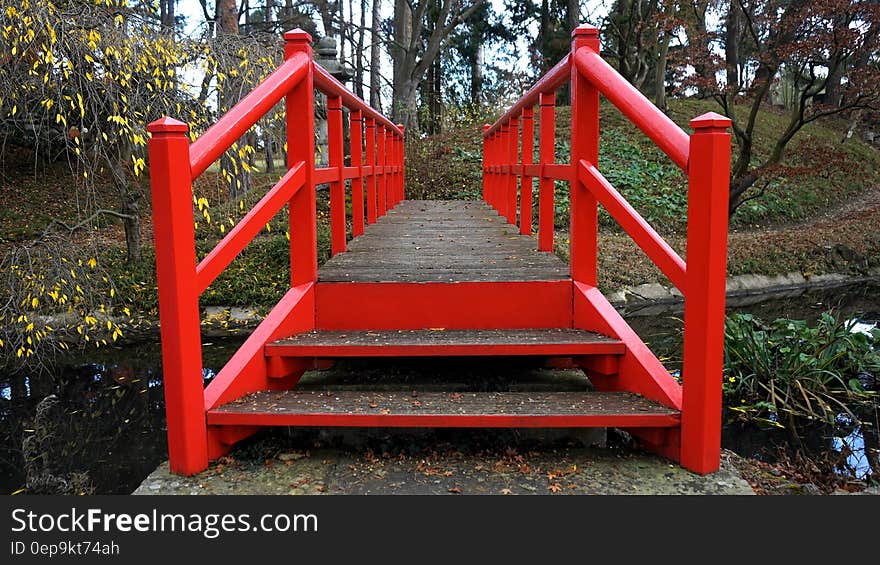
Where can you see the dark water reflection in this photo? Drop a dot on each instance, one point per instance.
(99, 423)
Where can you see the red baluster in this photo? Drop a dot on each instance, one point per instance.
(337, 187)
(546, 154)
(357, 183)
(401, 162)
(486, 164)
(512, 179)
(372, 196)
(528, 157)
(382, 187)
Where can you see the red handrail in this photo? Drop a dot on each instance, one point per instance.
(230, 246)
(646, 116)
(550, 82)
(634, 224)
(327, 83)
(241, 117)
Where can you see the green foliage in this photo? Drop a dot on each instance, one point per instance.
(259, 276)
(655, 187)
(789, 373)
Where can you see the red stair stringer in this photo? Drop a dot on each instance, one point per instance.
(248, 369)
(639, 371)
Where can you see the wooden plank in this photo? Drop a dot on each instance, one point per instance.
(450, 343)
(443, 241)
(445, 409)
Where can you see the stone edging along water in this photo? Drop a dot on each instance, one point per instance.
(654, 298)
(651, 298)
(648, 299)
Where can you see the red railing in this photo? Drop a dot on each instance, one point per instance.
(704, 156)
(175, 163)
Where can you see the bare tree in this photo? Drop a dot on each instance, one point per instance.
(375, 97)
(413, 55)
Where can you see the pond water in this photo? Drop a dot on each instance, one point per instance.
(97, 424)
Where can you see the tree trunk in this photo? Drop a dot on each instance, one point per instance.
(268, 141)
(375, 98)
(660, 71)
(731, 48)
(166, 14)
(343, 25)
(227, 17)
(129, 198)
(359, 53)
(544, 33)
(403, 100)
(700, 37)
(573, 14)
(269, 16)
(477, 76)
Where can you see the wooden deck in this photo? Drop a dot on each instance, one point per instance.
(444, 409)
(443, 241)
(428, 343)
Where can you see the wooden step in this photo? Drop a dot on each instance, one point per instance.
(446, 343)
(445, 409)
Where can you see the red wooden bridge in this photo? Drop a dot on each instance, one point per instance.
(443, 278)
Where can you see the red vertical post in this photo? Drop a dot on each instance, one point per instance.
(490, 158)
(381, 143)
(504, 162)
(372, 196)
(513, 178)
(401, 162)
(392, 158)
(499, 174)
(708, 178)
(486, 164)
(546, 154)
(299, 106)
(174, 237)
(357, 183)
(337, 187)
(528, 157)
(584, 145)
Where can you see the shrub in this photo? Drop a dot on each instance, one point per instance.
(789, 373)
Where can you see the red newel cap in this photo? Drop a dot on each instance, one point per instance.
(585, 30)
(167, 125)
(710, 120)
(486, 127)
(297, 35)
